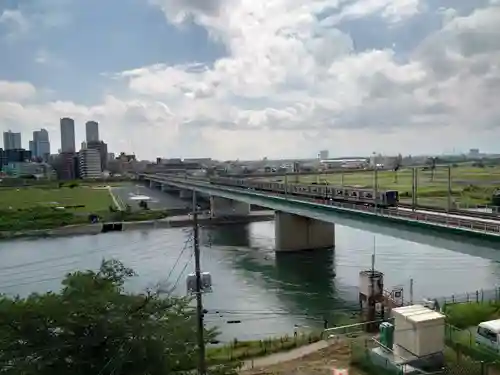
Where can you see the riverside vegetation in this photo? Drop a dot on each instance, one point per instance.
(53, 206)
(93, 326)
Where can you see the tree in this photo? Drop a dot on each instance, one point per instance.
(397, 165)
(92, 327)
(432, 166)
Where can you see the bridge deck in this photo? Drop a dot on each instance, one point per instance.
(279, 201)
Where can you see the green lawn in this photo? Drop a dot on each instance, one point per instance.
(469, 185)
(22, 198)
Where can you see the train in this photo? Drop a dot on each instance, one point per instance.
(386, 198)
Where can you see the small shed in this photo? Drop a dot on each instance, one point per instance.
(419, 330)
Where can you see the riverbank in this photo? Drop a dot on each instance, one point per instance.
(119, 226)
(263, 352)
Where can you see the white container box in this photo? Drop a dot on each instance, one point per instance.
(419, 330)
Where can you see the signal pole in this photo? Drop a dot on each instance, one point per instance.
(199, 302)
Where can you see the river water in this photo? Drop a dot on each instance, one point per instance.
(267, 293)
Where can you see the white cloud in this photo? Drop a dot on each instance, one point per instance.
(44, 57)
(291, 84)
(16, 23)
(16, 91)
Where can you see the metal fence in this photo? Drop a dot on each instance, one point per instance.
(462, 341)
(478, 296)
(455, 364)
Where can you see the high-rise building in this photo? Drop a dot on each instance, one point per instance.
(103, 152)
(92, 131)
(67, 135)
(65, 166)
(40, 146)
(13, 156)
(89, 161)
(11, 141)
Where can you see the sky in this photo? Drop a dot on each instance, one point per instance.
(249, 79)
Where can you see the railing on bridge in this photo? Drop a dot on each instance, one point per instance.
(452, 221)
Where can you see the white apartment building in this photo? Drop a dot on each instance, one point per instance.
(89, 163)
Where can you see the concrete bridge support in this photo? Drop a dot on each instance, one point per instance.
(294, 233)
(186, 194)
(227, 207)
(169, 189)
(154, 184)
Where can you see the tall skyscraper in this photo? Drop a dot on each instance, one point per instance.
(11, 141)
(67, 135)
(40, 145)
(92, 131)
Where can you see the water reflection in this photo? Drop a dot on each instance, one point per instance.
(226, 235)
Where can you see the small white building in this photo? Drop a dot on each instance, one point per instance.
(418, 330)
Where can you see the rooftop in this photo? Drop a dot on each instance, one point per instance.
(492, 325)
(418, 313)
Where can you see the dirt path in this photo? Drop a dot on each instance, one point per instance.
(316, 359)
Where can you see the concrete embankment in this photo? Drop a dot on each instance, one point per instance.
(171, 222)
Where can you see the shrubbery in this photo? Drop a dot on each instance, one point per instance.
(465, 315)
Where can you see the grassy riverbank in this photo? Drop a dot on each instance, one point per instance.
(58, 205)
(466, 315)
(242, 350)
(76, 198)
(470, 185)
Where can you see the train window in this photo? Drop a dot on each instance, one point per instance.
(340, 192)
(369, 195)
(354, 194)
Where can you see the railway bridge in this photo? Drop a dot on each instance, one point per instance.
(303, 223)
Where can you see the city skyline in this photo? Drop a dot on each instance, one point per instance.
(243, 79)
(27, 144)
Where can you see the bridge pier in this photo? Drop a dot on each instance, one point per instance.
(154, 184)
(295, 233)
(227, 207)
(186, 194)
(168, 189)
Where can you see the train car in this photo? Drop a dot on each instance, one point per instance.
(353, 195)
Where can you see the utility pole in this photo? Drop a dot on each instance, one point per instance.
(199, 302)
(414, 188)
(376, 187)
(449, 188)
(411, 291)
(371, 298)
(286, 184)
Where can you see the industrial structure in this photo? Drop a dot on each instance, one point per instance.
(413, 343)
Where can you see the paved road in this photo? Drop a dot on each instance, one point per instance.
(157, 199)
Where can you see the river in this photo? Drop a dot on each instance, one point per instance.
(267, 293)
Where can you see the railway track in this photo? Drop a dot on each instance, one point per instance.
(479, 215)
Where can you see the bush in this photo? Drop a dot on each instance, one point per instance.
(465, 315)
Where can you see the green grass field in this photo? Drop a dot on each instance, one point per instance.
(470, 186)
(21, 198)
